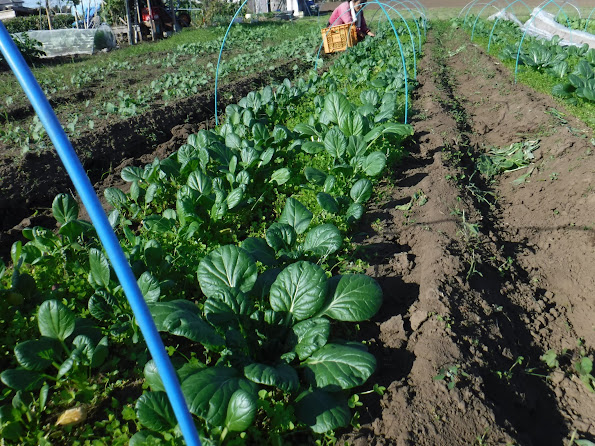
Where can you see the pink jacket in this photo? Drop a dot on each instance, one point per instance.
(342, 15)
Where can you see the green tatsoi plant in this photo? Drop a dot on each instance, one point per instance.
(267, 332)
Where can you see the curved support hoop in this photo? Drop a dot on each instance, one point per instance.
(479, 15)
(498, 18)
(392, 25)
(219, 59)
(478, 4)
(547, 2)
(589, 18)
(569, 4)
(424, 12)
(407, 25)
(465, 7)
(106, 234)
(402, 56)
(400, 48)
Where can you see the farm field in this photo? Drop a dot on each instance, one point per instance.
(449, 261)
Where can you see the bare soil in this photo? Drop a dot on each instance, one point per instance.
(488, 305)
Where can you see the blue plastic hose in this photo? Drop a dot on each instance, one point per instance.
(104, 231)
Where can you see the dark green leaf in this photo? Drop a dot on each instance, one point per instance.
(103, 305)
(299, 289)
(149, 287)
(361, 191)
(281, 176)
(152, 377)
(115, 197)
(154, 411)
(132, 174)
(227, 306)
(55, 320)
(352, 124)
(282, 376)
(327, 202)
(322, 411)
(226, 267)
(336, 106)
(323, 240)
(191, 326)
(65, 208)
(235, 197)
(357, 297)
(315, 176)
(296, 215)
(281, 236)
(312, 147)
(200, 182)
(259, 250)
(374, 163)
(335, 367)
(354, 212)
(310, 335)
(36, 354)
(241, 411)
(158, 224)
(99, 273)
(335, 143)
(306, 129)
(21, 379)
(209, 391)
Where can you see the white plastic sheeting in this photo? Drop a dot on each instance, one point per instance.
(69, 42)
(543, 25)
(506, 16)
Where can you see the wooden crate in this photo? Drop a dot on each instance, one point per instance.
(339, 38)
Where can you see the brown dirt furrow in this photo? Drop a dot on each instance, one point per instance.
(482, 277)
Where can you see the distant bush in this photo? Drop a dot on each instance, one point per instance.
(34, 23)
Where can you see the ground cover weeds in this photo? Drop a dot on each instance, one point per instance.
(234, 239)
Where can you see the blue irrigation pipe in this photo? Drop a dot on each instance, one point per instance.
(105, 232)
(219, 59)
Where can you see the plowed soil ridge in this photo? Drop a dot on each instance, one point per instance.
(481, 278)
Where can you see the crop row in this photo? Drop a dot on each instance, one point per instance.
(243, 54)
(571, 66)
(240, 242)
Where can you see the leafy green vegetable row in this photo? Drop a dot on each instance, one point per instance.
(260, 328)
(572, 65)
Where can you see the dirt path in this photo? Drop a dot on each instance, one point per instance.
(481, 279)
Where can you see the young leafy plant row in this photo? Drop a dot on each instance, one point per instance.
(232, 238)
(573, 66)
